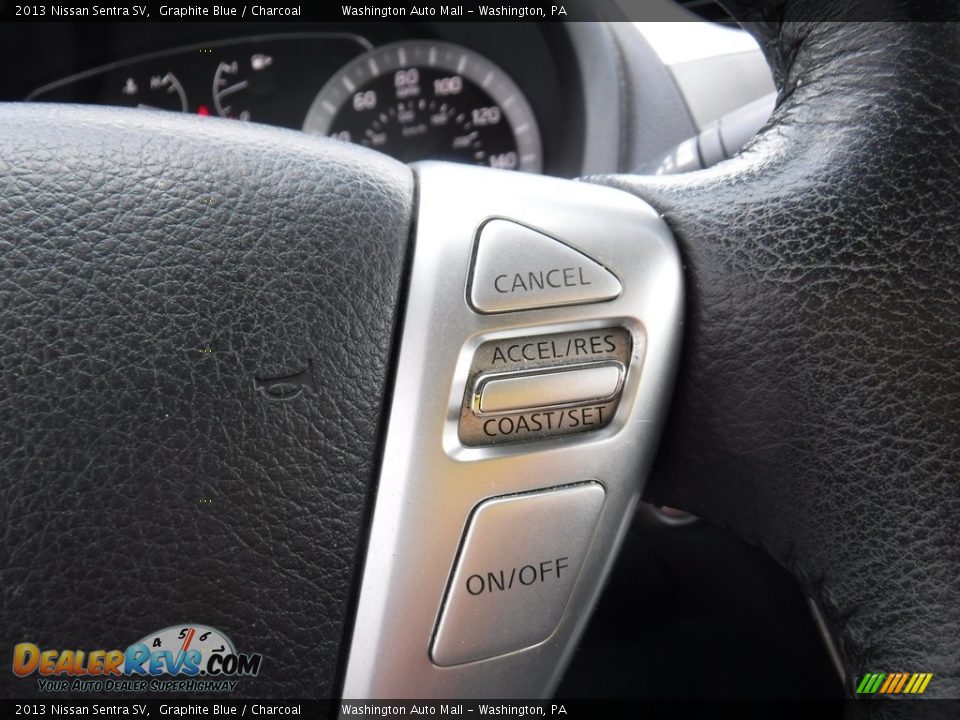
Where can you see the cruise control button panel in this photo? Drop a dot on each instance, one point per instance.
(540, 341)
(536, 387)
(515, 572)
(518, 268)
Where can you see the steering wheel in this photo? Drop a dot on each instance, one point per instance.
(248, 377)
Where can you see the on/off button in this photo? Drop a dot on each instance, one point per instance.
(520, 560)
(518, 268)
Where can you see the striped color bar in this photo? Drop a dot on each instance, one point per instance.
(894, 683)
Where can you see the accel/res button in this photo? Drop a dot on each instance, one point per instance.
(598, 381)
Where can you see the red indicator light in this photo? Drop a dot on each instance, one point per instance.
(203, 110)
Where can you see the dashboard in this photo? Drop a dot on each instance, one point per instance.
(500, 96)
(563, 99)
(414, 100)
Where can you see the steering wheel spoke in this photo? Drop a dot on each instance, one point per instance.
(536, 362)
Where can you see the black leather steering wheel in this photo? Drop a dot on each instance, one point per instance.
(165, 279)
(817, 412)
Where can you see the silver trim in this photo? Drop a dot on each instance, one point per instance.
(828, 641)
(581, 397)
(430, 482)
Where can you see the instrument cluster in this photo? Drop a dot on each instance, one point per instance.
(412, 99)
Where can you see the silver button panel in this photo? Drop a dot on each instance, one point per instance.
(515, 572)
(442, 478)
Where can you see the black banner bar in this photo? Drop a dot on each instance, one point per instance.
(457, 11)
(561, 709)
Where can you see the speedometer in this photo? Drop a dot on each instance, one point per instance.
(430, 100)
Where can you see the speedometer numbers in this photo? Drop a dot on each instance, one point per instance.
(437, 101)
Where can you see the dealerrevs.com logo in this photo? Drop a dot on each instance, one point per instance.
(180, 658)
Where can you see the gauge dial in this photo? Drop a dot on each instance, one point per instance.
(161, 91)
(238, 85)
(429, 100)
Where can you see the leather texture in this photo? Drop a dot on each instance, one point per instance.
(817, 410)
(153, 267)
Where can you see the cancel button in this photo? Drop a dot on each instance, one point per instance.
(516, 570)
(535, 280)
(518, 268)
